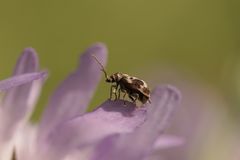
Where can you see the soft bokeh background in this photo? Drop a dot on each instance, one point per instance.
(186, 41)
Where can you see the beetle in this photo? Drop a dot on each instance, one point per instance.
(135, 88)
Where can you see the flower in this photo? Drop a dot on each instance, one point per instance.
(66, 132)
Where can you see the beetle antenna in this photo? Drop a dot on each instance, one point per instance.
(102, 68)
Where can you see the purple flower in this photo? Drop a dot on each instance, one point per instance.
(112, 131)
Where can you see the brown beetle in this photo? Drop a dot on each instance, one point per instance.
(135, 88)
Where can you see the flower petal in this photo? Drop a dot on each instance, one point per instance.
(10, 119)
(74, 94)
(19, 101)
(27, 147)
(24, 96)
(27, 63)
(163, 143)
(168, 141)
(25, 143)
(137, 145)
(20, 80)
(111, 117)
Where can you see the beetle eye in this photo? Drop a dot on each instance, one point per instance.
(109, 79)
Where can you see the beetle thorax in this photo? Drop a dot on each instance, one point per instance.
(116, 77)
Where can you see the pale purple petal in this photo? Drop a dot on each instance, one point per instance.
(168, 141)
(137, 145)
(19, 80)
(10, 119)
(110, 118)
(25, 143)
(27, 63)
(27, 147)
(18, 101)
(165, 143)
(74, 94)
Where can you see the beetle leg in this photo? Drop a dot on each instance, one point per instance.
(110, 93)
(149, 100)
(125, 93)
(119, 94)
(113, 91)
(134, 97)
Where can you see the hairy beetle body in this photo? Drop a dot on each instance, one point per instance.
(135, 88)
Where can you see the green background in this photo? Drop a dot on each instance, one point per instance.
(200, 37)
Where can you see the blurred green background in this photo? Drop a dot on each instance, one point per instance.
(200, 37)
